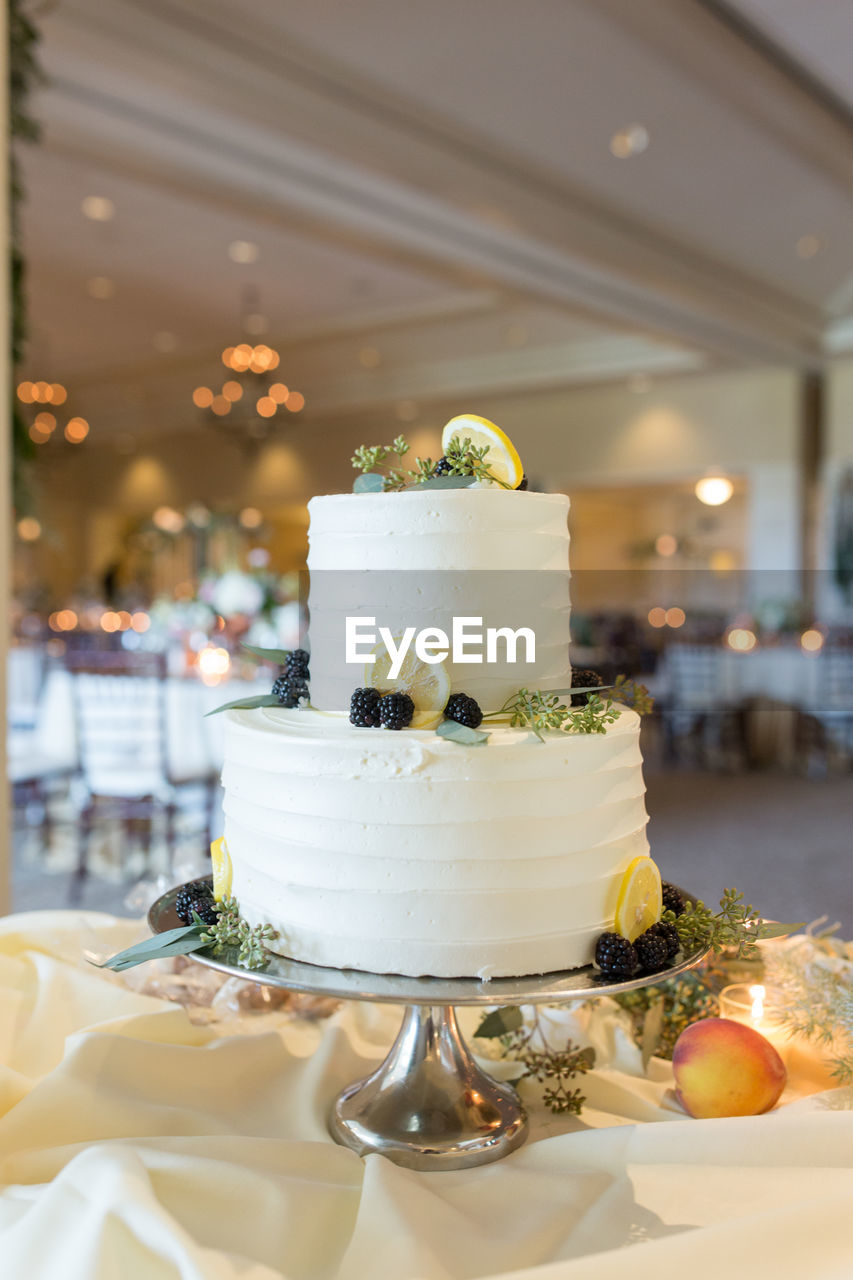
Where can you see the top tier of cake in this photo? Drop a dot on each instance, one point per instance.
(421, 557)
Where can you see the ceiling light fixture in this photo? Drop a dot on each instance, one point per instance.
(630, 141)
(714, 490)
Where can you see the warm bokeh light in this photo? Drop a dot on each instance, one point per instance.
(723, 561)
(251, 518)
(25, 392)
(202, 397)
(29, 529)
(741, 639)
(220, 405)
(41, 392)
(58, 394)
(811, 641)
(368, 357)
(98, 208)
(140, 621)
(630, 141)
(266, 406)
(714, 490)
(232, 391)
(66, 620)
(278, 392)
(46, 421)
(675, 617)
(101, 287)
(274, 361)
(168, 519)
(227, 357)
(666, 544)
(657, 617)
(213, 664)
(124, 619)
(243, 251)
(109, 621)
(76, 430)
(38, 435)
(295, 402)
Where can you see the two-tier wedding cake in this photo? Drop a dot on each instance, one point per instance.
(417, 853)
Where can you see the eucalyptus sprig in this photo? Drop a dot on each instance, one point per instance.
(543, 712)
(461, 459)
(633, 695)
(230, 932)
(737, 926)
(553, 1068)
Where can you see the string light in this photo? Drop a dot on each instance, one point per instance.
(76, 430)
(811, 641)
(249, 363)
(657, 617)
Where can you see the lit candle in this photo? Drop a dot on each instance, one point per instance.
(761, 1008)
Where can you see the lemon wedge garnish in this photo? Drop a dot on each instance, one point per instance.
(426, 683)
(222, 872)
(502, 459)
(640, 900)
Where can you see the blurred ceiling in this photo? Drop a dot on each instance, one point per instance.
(433, 196)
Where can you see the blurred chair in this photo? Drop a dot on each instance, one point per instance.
(25, 668)
(120, 706)
(825, 729)
(697, 714)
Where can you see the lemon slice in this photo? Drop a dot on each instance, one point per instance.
(640, 901)
(502, 459)
(426, 683)
(221, 860)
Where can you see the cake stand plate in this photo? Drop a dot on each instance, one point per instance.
(429, 1105)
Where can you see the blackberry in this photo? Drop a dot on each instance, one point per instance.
(583, 680)
(669, 933)
(193, 897)
(289, 689)
(442, 467)
(297, 664)
(652, 951)
(673, 899)
(364, 708)
(395, 710)
(464, 710)
(524, 483)
(615, 956)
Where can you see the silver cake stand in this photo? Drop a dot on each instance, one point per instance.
(429, 1105)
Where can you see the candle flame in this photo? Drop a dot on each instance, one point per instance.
(758, 994)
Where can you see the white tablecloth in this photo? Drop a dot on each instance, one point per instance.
(194, 744)
(136, 1144)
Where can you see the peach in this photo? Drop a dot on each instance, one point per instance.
(724, 1068)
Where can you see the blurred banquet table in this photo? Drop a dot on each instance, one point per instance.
(138, 1140)
(194, 744)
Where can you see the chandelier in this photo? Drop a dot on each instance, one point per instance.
(251, 398)
(45, 398)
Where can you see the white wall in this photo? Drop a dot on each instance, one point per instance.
(745, 422)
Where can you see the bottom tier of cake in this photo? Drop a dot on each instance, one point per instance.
(406, 853)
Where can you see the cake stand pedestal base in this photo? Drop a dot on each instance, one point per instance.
(429, 1106)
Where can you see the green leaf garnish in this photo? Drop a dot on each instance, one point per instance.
(278, 656)
(499, 1023)
(444, 482)
(174, 942)
(456, 732)
(369, 482)
(247, 704)
(736, 926)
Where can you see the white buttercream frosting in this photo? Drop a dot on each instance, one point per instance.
(406, 853)
(419, 558)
